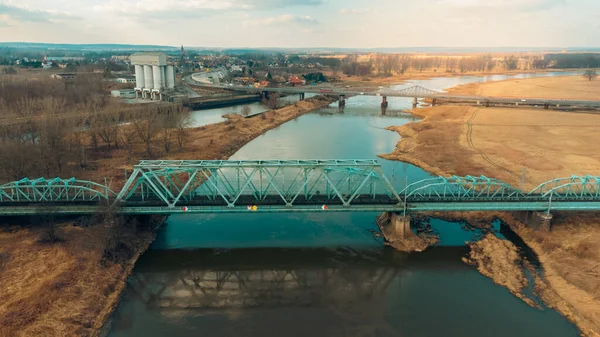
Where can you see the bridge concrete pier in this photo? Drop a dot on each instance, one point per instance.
(384, 102)
(342, 101)
(302, 95)
(538, 220)
(415, 102)
(394, 226)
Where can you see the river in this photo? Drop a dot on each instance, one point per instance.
(321, 274)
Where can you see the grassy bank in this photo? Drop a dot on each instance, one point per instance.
(544, 144)
(64, 288)
(69, 288)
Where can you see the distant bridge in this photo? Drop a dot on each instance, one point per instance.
(169, 187)
(416, 91)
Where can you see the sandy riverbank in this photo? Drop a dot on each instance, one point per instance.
(503, 143)
(66, 288)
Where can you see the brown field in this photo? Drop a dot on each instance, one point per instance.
(567, 87)
(60, 289)
(505, 142)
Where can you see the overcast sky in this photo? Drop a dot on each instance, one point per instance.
(305, 23)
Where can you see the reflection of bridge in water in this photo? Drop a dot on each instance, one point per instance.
(274, 278)
(343, 289)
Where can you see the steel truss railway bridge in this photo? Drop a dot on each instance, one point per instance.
(169, 187)
(413, 92)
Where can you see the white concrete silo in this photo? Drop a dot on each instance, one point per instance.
(148, 77)
(163, 76)
(139, 77)
(157, 75)
(170, 77)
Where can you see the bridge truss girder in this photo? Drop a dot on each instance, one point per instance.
(466, 188)
(574, 188)
(288, 183)
(54, 190)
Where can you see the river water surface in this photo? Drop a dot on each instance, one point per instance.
(321, 274)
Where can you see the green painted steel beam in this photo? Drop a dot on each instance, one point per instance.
(415, 207)
(156, 164)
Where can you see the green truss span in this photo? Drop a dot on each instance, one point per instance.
(167, 187)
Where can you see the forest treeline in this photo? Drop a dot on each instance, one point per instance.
(389, 64)
(52, 128)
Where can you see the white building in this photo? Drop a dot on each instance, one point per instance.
(152, 74)
(126, 80)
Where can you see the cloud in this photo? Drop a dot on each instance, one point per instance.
(282, 19)
(528, 5)
(355, 11)
(173, 7)
(277, 4)
(26, 14)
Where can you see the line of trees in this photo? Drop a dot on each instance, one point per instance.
(389, 64)
(54, 129)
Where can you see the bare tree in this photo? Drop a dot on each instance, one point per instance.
(127, 138)
(590, 75)
(49, 222)
(148, 128)
(183, 123)
(273, 101)
(246, 111)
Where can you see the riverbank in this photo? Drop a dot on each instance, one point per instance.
(67, 288)
(541, 144)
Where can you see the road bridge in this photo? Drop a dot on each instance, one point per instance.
(199, 186)
(414, 92)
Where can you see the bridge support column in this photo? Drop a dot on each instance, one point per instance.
(415, 102)
(394, 226)
(434, 102)
(546, 106)
(384, 102)
(302, 96)
(543, 220)
(342, 102)
(538, 220)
